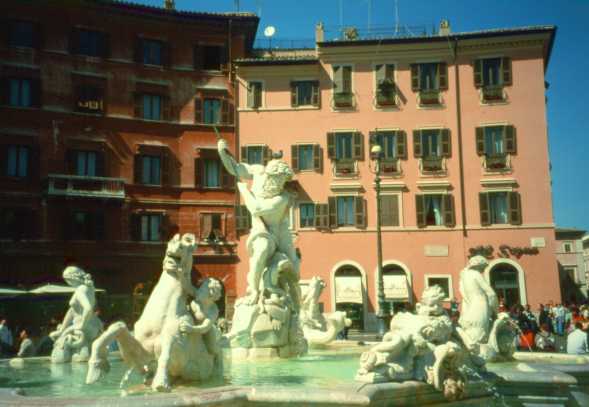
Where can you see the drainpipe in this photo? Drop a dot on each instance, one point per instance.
(459, 127)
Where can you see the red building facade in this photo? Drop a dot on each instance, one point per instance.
(107, 117)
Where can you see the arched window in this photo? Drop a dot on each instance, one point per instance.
(396, 287)
(349, 294)
(505, 281)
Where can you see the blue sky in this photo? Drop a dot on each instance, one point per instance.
(568, 72)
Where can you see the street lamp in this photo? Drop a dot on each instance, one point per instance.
(383, 309)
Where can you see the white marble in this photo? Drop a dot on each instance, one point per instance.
(170, 340)
(80, 325)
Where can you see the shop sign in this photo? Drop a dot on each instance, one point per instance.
(504, 251)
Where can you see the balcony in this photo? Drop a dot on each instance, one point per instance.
(492, 93)
(429, 97)
(343, 100)
(389, 166)
(80, 186)
(386, 99)
(497, 162)
(432, 164)
(344, 168)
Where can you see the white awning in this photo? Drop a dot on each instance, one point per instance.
(57, 289)
(349, 289)
(396, 287)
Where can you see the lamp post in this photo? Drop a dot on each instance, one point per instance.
(383, 309)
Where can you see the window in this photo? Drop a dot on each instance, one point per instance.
(389, 210)
(90, 43)
(345, 211)
(342, 86)
(344, 149)
(491, 75)
(304, 93)
(20, 92)
(150, 225)
(444, 282)
(567, 247)
(152, 107)
(500, 208)
(435, 210)
(254, 95)
(17, 163)
(86, 163)
(428, 79)
(343, 146)
(152, 51)
(431, 146)
(385, 84)
(16, 223)
(213, 57)
(256, 154)
(393, 144)
(243, 220)
(90, 99)
(307, 215)
(86, 225)
(21, 34)
(151, 169)
(212, 111)
(495, 142)
(306, 157)
(212, 173)
(211, 229)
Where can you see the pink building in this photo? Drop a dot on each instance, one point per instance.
(461, 119)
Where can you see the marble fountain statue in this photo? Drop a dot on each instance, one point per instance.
(424, 359)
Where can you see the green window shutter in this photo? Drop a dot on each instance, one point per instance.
(420, 210)
(137, 168)
(244, 154)
(510, 140)
(443, 76)
(198, 113)
(446, 143)
(294, 157)
(294, 94)
(448, 210)
(396, 216)
(332, 212)
(506, 71)
(347, 79)
(415, 85)
(480, 140)
(317, 158)
(417, 151)
(484, 208)
(331, 145)
(321, 219)
(478, 73)
(358, 146)
(338, 79)
(316, 95)
(386, 210)
(251, 103)
(515, 210)
(360, 212)
(198, 170)
(401, 137)
(226, 111)
(258, 88)
(266, 154)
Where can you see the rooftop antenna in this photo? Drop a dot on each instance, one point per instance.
(269, 33)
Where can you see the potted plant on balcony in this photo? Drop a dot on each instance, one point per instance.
(343, 99)
(386, 92)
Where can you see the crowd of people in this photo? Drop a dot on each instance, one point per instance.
(24, 342)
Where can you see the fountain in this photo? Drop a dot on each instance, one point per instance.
(424, 359)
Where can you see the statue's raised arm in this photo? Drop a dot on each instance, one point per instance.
(239, 170)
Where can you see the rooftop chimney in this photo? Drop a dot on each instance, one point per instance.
(169, 5)
(444, 28)
(319, 33)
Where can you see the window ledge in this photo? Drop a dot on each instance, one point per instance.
(277, 109)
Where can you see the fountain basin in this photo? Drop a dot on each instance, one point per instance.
(322, 378)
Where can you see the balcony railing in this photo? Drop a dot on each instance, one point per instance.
(385, 98)
(496, 162)
(343, 168)
(493, 93)
(389, 166)
(429, 97)
(85, 186)
(343, 99)
(432, 164)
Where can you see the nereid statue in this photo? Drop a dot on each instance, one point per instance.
(80, 325)
(267, 317)
(170, 340)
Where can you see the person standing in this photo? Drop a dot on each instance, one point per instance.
(5, 337)
(26, 349)
(577, 341)
(560, 319)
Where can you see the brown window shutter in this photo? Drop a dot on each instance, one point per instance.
(266, 154)
(165, 227)
(36, 92)
(360, 212)
(294, 94)
(4, 91)
(332, 212)
(358, 146)
(420, 210)
(166, 179)
(224, 111)
(137, 168)
(506, 70)
(484, 208)
(138, 105)
(166, 54)
(198, 57)
(257, 95)
(34, 163)
(321, 219)
(251, 97)
(401, 137)
(510, 140)
(338, 79)
(331, 145)
(100, 169)
(166, 108)
(3, 158)
(294, 157)
(443, 76)
(480, 140)
(446, 143)
(515, 210)
(138, 54)
(197, 172)
(386, 210)
(317, 158)
(244, 154)
(415, 85)
(206, 225)
(417, 150)
(70, 159)
(74, 41)
(316, 97)
(478, 73)
(230, 112)
(198, 106)
(448, 210)
(396, 216)
(227, 180)
(105, 45)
